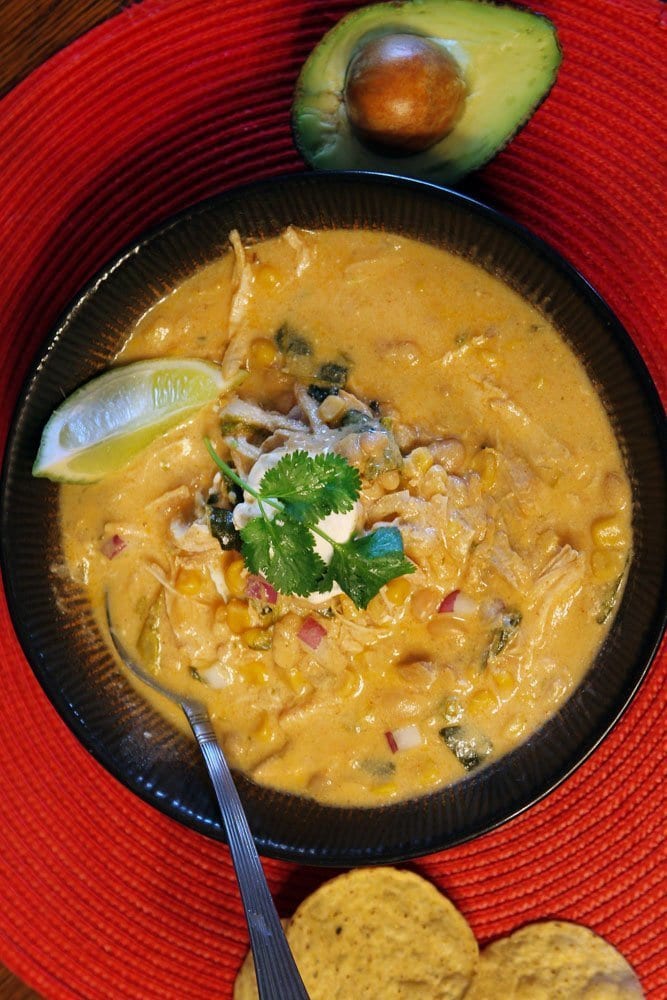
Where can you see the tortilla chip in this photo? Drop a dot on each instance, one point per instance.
(382, 932)
(553, 960)
(245, 984)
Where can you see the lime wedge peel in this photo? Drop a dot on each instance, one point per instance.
(107, 421)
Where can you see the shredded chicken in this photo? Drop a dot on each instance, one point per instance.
(508, 563)
(458, 533)
(554, 590)
(531, 438)
(563, 569)
(362, 439)
(303, 252)
(239, 333)
(192, 624)
(309, 408)
(456, 353)
(397, 505)
(250, 413)
(193, 537)
(243, 280)
(158, 574)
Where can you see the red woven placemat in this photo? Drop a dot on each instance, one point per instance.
(169, 102)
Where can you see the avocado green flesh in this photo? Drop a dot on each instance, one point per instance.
(509, 59)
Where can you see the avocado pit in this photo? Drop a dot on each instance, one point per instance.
(403, 92)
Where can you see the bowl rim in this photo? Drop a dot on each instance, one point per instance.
(146, 238)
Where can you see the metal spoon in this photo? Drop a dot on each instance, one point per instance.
(275, 968)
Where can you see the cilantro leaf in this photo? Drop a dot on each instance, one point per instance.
(259, 543)
(362, 565)
(283, 553)
(294, 497)
(312, 486)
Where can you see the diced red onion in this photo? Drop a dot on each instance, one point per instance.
(447, 603)
(112, 546)
(311, 633)
(404, 738)
(261, 590)
(389, 736)
(459, 604)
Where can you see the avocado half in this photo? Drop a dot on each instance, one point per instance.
(508, 59)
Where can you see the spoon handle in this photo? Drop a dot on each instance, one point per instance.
(275, 968)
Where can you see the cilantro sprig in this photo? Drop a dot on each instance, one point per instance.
(293, 497)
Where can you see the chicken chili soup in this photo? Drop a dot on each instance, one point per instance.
(486, 468)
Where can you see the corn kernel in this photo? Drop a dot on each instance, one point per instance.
(189, 581)
(482, 702)
(607, 564)
(255, 673)
(546, 545)
(485, 464)
(398, 590)
(374, 490)
(452, 710)
(350, 685)
(614, 491)
(364, 661)
(429, 775)
(256, 638)
(238, 616)
(332, 408)
(296, 680)
(265, 731)
(504, 681)
(235, 575)
(424, 603)
(607, 532)
(387, 790)
(262, 354)
(390, 480)
(267, 278)
(418, 462)
(377, 609)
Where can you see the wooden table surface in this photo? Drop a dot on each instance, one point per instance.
(11, 988)
(30, 32)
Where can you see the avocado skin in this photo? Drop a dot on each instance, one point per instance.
(510, 59)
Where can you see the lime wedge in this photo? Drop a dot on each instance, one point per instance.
(102, 425)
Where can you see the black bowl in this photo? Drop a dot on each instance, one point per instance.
(76, 669)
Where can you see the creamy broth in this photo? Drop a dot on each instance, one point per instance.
(483, 441)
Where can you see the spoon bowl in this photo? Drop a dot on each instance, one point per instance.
(275, 968)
